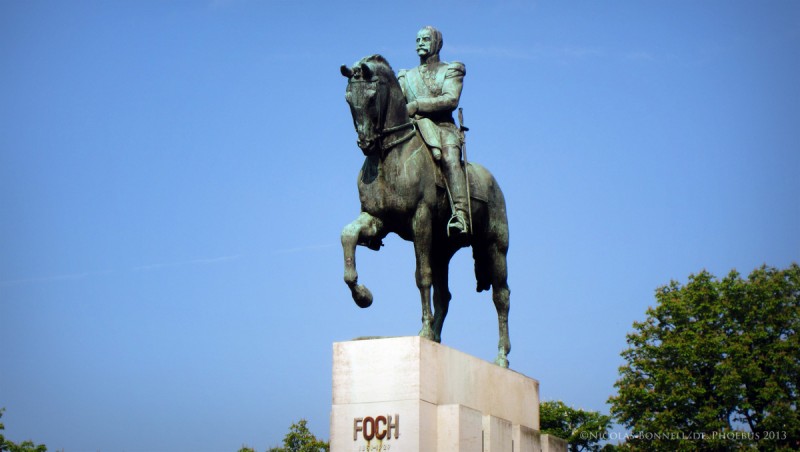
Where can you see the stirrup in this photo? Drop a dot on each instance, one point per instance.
(457, 223)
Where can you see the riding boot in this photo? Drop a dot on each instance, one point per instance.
(454, 172)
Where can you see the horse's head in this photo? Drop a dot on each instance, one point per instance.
(372, 93)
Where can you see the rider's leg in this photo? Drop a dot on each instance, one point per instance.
(454, 172)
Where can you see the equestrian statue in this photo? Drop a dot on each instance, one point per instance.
(415, 184)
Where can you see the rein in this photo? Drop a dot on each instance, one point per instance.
(386, 146)
(384, 132)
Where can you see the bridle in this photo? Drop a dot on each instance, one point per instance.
(384, 132)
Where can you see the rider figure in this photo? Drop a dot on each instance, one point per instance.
(432, 91)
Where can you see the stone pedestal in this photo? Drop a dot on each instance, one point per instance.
(411, 394)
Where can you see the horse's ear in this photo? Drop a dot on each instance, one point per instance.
(346, 71)
(366, 72)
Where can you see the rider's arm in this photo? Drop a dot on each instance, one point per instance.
(451, 91)
(401, 78)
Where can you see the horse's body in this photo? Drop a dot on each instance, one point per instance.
(398, 192)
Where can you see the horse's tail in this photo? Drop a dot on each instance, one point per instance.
(483, 267)
(490, 237)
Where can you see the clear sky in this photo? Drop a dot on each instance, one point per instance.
(174, 177)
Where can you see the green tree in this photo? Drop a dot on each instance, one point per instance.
(583, 430)
(25, 446)
(716, 365)
(300, 439)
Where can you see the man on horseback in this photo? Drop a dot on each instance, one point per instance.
(432, 92)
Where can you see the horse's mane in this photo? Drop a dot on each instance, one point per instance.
(377, 59)
(381, 65)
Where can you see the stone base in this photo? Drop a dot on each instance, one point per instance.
(412, 394)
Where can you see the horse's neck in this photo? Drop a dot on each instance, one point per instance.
(397, 121)
(396, 111)
(399, 163)
(394, 158)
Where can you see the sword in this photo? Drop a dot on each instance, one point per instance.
(463, 129)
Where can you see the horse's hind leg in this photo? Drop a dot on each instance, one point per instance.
(501, 297)
(365, 230)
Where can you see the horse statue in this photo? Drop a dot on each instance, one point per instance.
(400, 190)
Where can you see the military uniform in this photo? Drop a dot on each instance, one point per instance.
(436, 89)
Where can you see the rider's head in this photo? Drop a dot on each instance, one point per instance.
(429, 42)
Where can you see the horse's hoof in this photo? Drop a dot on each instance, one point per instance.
(427, 334)
(502, 361)
(362, 296)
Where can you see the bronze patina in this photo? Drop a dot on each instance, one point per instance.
(402, 191)
(432, 91)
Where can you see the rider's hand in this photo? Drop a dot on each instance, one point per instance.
(412, 108)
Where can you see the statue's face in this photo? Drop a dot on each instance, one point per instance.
(425, 43)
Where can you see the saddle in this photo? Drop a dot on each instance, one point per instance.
(430, 135)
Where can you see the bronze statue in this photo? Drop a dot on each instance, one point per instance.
(433, 90)
(401, 191)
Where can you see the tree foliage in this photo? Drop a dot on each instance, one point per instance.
(716, 365)
(25, 446)
(583, 430)
(300, 439)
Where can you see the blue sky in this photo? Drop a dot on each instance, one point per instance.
(174, 177)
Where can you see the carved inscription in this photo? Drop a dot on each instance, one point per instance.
(380, 427)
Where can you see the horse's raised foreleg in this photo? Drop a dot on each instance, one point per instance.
(423, 239)
(365, 230)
